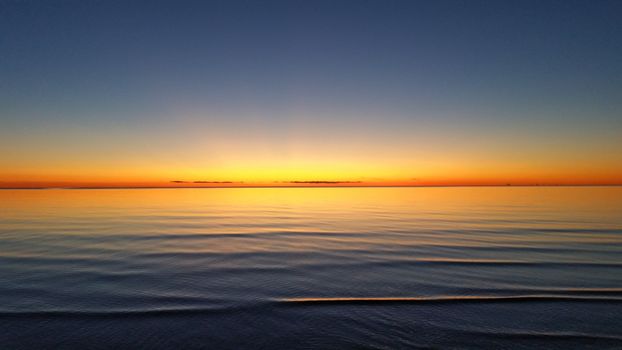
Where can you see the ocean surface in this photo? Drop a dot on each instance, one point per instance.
(312, 268)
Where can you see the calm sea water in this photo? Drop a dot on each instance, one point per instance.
(377, 268)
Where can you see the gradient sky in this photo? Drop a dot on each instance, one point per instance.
(384, 92)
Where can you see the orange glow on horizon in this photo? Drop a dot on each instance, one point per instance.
(366, 166)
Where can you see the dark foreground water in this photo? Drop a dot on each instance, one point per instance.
(332, 268)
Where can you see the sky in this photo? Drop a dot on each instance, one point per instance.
(143, 93)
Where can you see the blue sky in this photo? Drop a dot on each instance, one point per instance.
(379, 73)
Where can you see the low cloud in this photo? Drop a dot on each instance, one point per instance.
(321, 182)
(206, 182)
(218, 182)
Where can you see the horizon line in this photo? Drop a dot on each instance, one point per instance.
(294, 186)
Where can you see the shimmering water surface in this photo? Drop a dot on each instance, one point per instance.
(298, 268)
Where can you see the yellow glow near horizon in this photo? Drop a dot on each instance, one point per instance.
(439, 156)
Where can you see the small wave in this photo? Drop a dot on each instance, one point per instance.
(554, 291)
(552, 336)
(119, 313)
(451, 299)
(221, 235)
(334, 301)
(498, 262)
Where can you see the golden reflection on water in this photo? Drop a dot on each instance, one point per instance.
(436, 199)
(471, 216)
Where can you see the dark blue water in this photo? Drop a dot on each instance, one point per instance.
(332, 268)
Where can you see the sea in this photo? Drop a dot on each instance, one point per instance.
(311, 268)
